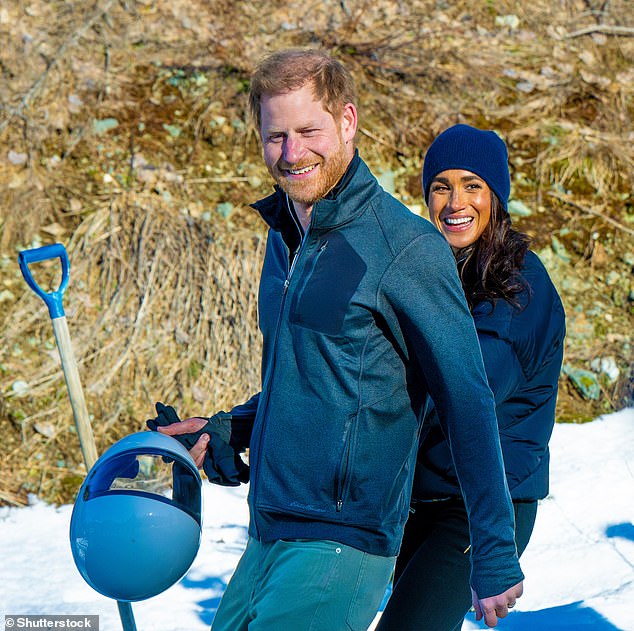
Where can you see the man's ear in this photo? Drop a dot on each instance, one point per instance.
(349, 122)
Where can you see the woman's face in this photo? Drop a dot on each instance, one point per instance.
(460, 206)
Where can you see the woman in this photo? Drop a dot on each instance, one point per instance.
(521, 326)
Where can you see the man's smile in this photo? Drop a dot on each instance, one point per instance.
(300, 170)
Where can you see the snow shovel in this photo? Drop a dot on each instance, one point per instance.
(53, 301)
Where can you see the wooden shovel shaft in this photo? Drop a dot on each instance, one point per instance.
(84, 429)
(77, 400)
(53, 301)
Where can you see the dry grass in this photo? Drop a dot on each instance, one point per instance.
(125, 135)
(161, 309)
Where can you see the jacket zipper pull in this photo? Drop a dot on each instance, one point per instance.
(287, 282)
(339, 505)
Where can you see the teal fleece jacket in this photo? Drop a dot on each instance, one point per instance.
(362, 322)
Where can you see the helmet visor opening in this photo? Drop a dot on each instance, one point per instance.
(150, 475)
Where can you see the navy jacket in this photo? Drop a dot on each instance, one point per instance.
(359, 323)
(523, 352)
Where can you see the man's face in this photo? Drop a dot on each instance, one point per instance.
(305, 149)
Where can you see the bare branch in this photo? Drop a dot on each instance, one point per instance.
(602, 28)
(591, 211)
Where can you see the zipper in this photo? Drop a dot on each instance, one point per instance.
(344, 467)
(287, 282)
(302, 238)
(274, 349)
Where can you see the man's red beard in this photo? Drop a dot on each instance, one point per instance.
(313, 188)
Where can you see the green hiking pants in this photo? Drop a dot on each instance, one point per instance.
(303, 585)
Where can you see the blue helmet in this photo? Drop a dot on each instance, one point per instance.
(136, 524)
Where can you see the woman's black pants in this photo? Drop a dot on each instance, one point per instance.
(431, 580)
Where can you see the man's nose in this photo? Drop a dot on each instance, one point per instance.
(292, 149)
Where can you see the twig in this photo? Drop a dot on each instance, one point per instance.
(602, 28)
(28, 97)
(365, 132)
(216, 180)
(597, 14)
(12, 498)
(590, 211)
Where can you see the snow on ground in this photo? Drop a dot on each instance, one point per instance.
(579, 564)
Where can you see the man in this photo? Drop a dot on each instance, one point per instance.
(363, 320)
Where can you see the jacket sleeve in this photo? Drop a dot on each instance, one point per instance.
(503, 369)
(242, 419)
(439, 338)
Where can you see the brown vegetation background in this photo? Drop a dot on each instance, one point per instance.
(124, 134)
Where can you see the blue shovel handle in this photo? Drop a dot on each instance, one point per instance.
(52, 299)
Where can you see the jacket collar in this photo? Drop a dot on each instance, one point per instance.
(340, 205)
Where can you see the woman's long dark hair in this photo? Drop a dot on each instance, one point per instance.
(490, 267)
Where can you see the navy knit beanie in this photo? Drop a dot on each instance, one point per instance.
(464, 147)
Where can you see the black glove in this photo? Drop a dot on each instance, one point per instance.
(222, 464)
(166, 415)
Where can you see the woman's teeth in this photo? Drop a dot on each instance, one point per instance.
(457, 221)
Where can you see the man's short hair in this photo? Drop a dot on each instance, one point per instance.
(290, 69)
